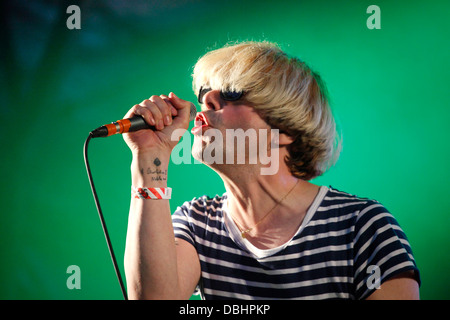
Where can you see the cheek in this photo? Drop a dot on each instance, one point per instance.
(238, 118)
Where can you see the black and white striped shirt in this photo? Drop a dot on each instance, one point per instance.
(343, 244)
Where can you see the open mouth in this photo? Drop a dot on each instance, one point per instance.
(200, 124)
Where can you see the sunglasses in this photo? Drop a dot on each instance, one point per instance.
(225, 95)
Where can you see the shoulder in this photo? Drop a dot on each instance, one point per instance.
(192, 218)
(202, 206)
(341, 199)
(379, 243)
(345, 208)
(369, 217)
(381, 250)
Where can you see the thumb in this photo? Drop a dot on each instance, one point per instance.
(183, 106)
(177, 102)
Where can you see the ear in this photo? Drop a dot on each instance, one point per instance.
(280, 139)
(285, 139)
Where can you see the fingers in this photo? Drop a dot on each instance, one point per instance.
(183, 107)
(173, 111)
(179, 103)
(156, 111)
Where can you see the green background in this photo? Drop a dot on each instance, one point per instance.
(389, 91)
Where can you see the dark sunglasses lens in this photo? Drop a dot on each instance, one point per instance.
(201, 93)
(231, 95)
(225, 95)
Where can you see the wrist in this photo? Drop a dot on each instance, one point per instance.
(149, 171)
(151, 193)
(150, 154)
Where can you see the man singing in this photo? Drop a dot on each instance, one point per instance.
(272, 234)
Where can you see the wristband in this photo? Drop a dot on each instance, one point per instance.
(151, 193)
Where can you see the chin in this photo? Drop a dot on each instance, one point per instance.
(197, 148)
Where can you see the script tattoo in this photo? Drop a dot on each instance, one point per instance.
(156, 173)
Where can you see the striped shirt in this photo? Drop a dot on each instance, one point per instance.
(344, 245)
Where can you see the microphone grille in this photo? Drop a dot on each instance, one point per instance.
(193, 112)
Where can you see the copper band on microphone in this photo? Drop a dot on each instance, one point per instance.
(112, 129)
(120, 126)
(125, 125)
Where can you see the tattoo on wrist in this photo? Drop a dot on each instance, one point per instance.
(157, 174)
(157, 162)
(160, 178)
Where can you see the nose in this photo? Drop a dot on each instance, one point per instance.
(212, 101)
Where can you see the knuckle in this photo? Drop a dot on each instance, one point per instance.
(153, 98)
(155, 111)
(161, 104)
(133, 110)
(146, 103)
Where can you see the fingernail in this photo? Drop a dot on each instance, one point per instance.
(159, 125)
(152, 121)
(167, 120)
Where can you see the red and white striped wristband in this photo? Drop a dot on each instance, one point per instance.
(151, 193)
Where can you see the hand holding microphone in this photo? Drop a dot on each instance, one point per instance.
(157, 116)
(161, 114)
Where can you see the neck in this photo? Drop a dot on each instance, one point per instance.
(268, 210)
(251, 196)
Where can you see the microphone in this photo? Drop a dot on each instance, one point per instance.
(132, 124)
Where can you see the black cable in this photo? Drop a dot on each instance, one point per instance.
(102, 220)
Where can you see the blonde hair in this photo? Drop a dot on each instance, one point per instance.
(286, 93)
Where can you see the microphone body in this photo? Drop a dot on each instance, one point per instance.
(132, 124)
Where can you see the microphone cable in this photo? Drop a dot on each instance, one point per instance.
(125, 125)
(102, 220)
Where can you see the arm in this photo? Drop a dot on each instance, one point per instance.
(380, 242)
(155, 267)
(401, 287)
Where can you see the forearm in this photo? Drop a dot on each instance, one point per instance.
(150, 254)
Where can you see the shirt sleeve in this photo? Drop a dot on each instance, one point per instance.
(381, 250)
(182, 226)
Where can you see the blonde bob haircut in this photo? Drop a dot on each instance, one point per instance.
(285, 92)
